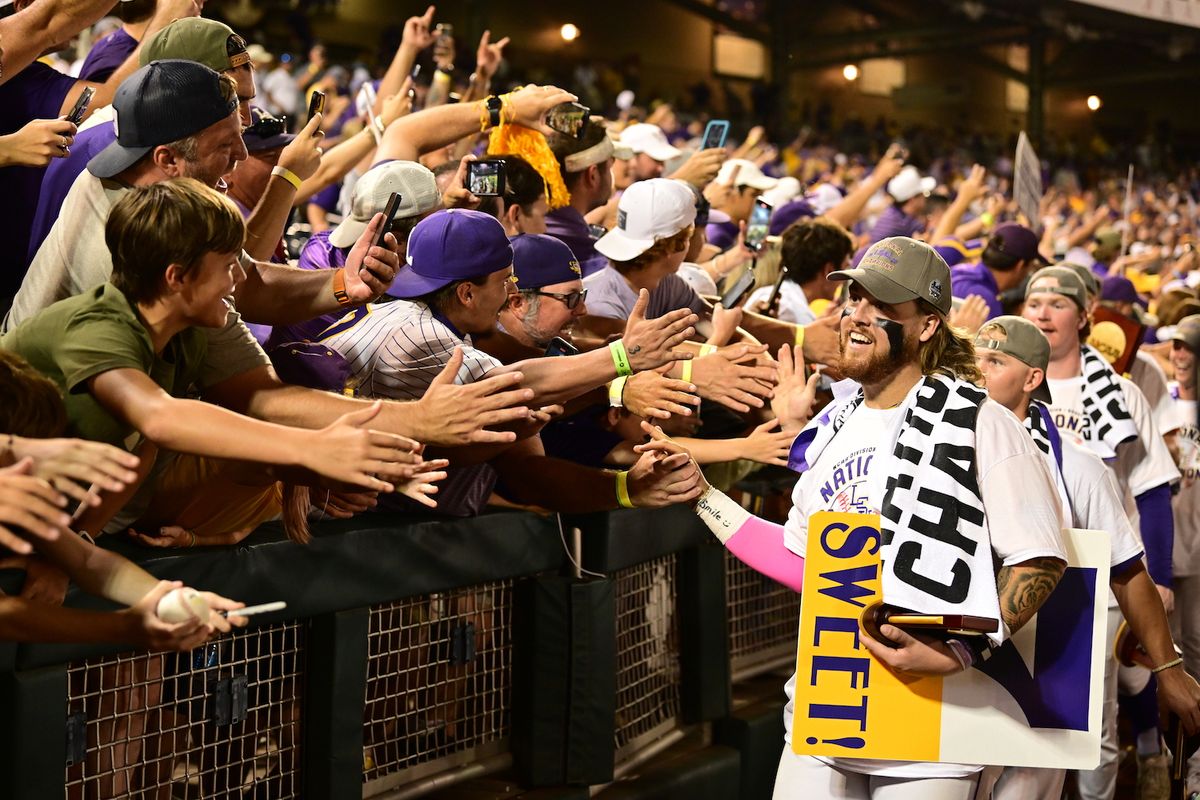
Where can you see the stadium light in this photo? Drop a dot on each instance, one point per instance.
(850, 72)
(569, 32)
(1093, 103)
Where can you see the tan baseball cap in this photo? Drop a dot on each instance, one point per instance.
(1066, 283)
(1090, 281)
(1188, 332)
(1023, 341)
(899, 269)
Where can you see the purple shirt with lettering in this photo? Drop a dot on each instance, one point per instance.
(106, 55)
(36, 92)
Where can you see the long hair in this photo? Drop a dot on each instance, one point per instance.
(950, 352)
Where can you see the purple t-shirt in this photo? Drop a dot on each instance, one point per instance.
(318, 253)
(327, 198)
(568, 226)
(60, 177)
(969, 279)
(36, 92)
(721, 235)
(106, 55)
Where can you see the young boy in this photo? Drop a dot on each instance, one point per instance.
(126, 354)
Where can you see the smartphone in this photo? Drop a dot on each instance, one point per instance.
(741, 287)
(715, 133)
(485, 178)
(389, 216)
(80, 107)
(758, 225)
(561, 347)
(569, 119)
(316, 104)
(412, 87)
(775, 289)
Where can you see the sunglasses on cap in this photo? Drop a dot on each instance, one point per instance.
(266, 126)
(569, 300)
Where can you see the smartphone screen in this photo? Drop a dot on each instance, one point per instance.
(389, 216)
(757, 226)
(739, 290)
(569, 119)
(715, 133)
(561, 347)
(486, 178)
(316, 104)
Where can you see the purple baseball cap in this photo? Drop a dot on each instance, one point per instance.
(788, 213)
(1017, 241)
(539, 260)
(452, 245)
(1119, 289)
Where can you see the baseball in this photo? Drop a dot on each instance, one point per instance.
(179, 605)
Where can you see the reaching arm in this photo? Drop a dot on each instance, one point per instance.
(847, 212)
(971, 187)
(1024, 587)
(32, 30)
(1140, 603)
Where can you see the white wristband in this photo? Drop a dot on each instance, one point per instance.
(721, 514)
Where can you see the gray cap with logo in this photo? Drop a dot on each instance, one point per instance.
(1023, 341)
(898, 269)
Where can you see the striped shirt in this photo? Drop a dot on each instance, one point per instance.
(395, 350)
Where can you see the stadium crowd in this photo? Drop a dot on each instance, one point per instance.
(438, 293)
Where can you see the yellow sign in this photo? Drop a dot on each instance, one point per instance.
(847, 703)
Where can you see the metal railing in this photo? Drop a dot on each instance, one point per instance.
(220, 722)
(763, 619)
(439, 678)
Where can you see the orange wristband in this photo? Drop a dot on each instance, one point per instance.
(339, 287)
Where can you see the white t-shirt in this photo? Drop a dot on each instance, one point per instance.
(1148, 376)
(1019, 497)
(793, 303)
(1186, 503)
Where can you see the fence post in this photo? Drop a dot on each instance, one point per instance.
(337, 690)
(33, 738)
(704, 634)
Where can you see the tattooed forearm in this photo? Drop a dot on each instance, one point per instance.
(1024, 587)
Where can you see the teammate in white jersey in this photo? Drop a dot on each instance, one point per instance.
(896, 342)
(1013, 356)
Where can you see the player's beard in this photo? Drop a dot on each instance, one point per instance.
(880, 365)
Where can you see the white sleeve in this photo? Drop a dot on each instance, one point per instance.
(1024, 515)
(1096, 501)
(1147, 461)
(795, 530)
(1151, 379)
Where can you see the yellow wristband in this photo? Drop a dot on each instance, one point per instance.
(623, 489)
(685, 371)
(288, 176)
(988, 219)
(620, 358)
(799, 345)
(616, 392)
(706, 349)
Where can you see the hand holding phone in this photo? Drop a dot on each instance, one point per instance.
(569, 119)
(741, 287)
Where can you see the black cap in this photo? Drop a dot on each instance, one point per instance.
(161, 103)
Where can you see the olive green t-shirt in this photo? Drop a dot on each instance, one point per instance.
(78, 338)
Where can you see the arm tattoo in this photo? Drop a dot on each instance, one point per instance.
(1024, 587)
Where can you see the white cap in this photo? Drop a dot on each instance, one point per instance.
(418, 195)
(823, 198)
(648, 211)
(909, 183)
(649, 139)
(259, 54)
(747, 174)
(787, 189)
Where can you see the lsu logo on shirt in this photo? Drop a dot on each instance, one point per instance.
(846, 489)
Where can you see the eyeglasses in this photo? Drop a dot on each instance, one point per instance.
(569, 300)
(266, 127)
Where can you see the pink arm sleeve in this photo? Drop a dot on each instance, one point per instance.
(757, 543)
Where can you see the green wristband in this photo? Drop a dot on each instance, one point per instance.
(620, 359)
